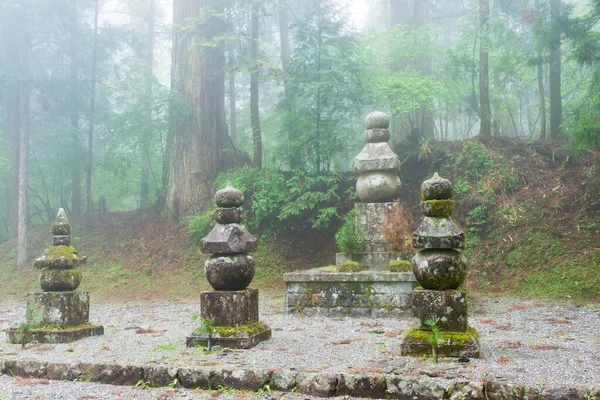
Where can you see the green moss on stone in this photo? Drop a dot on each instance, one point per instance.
(350, 266)
(249, 329)
(457, 338)
(56, 224)
(55, 253)
(400, 266)
(440, 208)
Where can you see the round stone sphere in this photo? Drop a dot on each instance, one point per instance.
(436, 188)
(228, 215)
(60, 280)
(233, 272)
(378, 187)
(439, 269)
(377, 120)
(229, 196)
(377, 135)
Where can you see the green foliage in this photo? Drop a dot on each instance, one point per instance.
(350, 266)
(435, 337)
(200, 225)
(347, 237)
(474, 160)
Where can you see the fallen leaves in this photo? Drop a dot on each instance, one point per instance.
(506, 344)
(30, 381)
(503, 360)
(543, 347)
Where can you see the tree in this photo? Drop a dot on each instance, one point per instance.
(197, 76)
(92, 110)
(254, 106)
(147, 134)
(555, 69)
(540, 73)
(485, 130)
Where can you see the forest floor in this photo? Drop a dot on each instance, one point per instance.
(537, 237)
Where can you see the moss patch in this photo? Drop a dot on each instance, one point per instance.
(55, 253)
(400, 266)
(242, 330)
(453, 338)
(350, 266)
(439, 208)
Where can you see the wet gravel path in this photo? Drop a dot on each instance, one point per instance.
(523, 341)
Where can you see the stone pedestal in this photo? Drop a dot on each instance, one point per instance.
(56, 317)
(450, 306)
(452, 344)
(235, 316)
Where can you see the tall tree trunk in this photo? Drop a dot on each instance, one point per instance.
(23, 178)
(540, 78)
(89, 164)
(232, 95)
(196, 143)
(284, 40)
(484, 80)
(74, 109)
(254, 109)
(555, 70)
(148, 131)
(12, 95)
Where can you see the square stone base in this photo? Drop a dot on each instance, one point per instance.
(52, 335)
(230, 308)
(450, 306)
(243, 341)
(452, 344)
(58, 309)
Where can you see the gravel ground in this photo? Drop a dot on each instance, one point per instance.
(523, 341)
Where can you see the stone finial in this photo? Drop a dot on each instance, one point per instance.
(377, 120)
(61, 225)
(436, 188)
(229, 196)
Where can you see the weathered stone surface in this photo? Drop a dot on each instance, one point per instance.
(197, 377)
(436, 188)
(465, 391)
(283, 381)
(228, 239)
(378, 187)
(369, 261)
(116, 374)
(228, 215)
(376, 157)
(58, 309)
(323, 385)
(372, 217)
(419, 346)
(61, 240)
(54, 335)
(437, 208)
(55, 280)
(377, 135)
(242, 379)
(229, 272)
(63, 371)
(243, 340)
(25, 368)
(450, 306)
(405, 388)
(438, 233)
(230, 308)
(565, 393)
(362, 386)
(229, 196)
(159, 375)
(61, 225)
(505, 391)
(439, 269)
(59, 257)
(400, 266)
(377, 120)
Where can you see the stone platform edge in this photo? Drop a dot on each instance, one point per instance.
(364, 276)
(314, 384)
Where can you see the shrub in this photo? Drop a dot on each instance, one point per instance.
(347, 237)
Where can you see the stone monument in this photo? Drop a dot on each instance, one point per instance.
(376, 281)
(231, 309)
(440, 268)
(59, 314)
(377, 188)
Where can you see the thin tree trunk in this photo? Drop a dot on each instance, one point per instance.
(74, 100)
(254, 109)
(196, 139)
(555, 70)
(148, 132)
(284, 40)
(13, 123)
(89, 169)
(484, 82)
(232, 94)
(23, 178)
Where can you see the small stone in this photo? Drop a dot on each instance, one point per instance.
(439, 269)
(228, 239)
(378, 187)
(377, 120)
(61, 240)
(377, 135)
(57, 280)
(229, 196)
(228, 215)
(436, 188)
(229, 273)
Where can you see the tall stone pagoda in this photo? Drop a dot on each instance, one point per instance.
(377, 188)
(440, 268)
(59, 314)
(231, 309)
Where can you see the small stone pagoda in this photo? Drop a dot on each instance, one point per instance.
(59, 314)
(440, 268)
(231, 309)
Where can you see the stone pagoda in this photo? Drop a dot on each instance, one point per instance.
(377, 188)
(59, 314)
(231, 310)
(440, 268)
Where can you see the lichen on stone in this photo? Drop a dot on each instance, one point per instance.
(400, 266)
(350, 266)
(59, 257)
